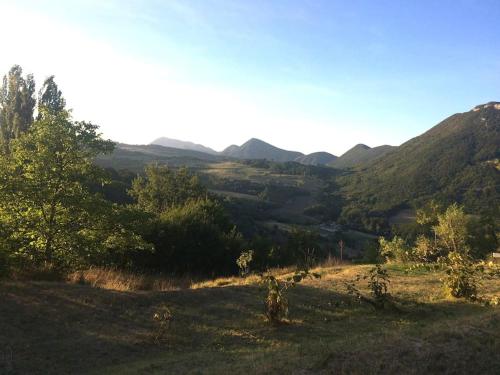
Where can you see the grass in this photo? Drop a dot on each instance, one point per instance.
(218, 328)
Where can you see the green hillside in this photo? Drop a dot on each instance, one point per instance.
(360, 154)
(316, 158)
(457, 160)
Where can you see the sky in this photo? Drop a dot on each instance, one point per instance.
(303, 75)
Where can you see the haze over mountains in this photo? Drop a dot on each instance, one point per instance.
(258, 149)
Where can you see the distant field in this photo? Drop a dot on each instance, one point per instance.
(218, 328)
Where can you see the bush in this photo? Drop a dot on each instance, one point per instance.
(462, 276)
(378, 283)
(395, 250)
(276, 301)
(426, 250)
(243, 262)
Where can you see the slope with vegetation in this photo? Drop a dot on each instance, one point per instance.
(360, 154)
(452, 162)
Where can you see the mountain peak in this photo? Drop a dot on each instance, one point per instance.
(258, 149)
(183, 145)
(495, 105)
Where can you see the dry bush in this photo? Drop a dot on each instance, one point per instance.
(110, 278)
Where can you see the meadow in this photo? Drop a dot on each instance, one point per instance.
(95, 323)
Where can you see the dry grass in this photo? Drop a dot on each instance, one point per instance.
(218, 327)
(113, 279)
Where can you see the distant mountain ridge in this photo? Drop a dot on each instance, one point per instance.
(258, 149)
(183, 145)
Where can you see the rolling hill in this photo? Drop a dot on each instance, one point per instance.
(135, 157)
(360, 154)
(455, 161)
(183, 145)
(316, 158)
(257, 149)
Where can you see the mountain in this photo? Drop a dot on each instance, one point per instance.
(360, 154)
(316, 158)
(257, 149)
(183, 145)
(136, 157)
(455, 161)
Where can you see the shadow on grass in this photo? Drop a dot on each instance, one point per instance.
(62, 328)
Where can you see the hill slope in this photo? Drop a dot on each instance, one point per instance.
(360, 154)
(316, 158)
(135, 157)
(183, 145)
(457, 160)
(257, 149)
(218, 327)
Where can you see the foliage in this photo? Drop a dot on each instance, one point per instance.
(196, 237)
(17, 103)
(243, 262)
(162, 318)
(451, 229)
(378, 280)
(276, 301)
(462, 277)
(163, 188)
(50, 98)
(395, 250)
(426, 250)
(49, 214)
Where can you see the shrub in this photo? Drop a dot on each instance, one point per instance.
(244, 261)
(162, 318)
(395, 250)
(276, 302)
(462, 276)
(426, 250)
(378, 283)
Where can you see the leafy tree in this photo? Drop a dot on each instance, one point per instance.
(196, 238)
(50, 97)
(395, 250)
(163, 188)
(51, 216)
(451, 229)
(17, 103)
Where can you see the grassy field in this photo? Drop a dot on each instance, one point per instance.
(218, 328)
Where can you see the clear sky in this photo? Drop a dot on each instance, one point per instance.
(304, 75)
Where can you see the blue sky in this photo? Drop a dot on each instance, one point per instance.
(304, 75)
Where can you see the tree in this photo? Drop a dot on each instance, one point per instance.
(17, 104)
(51, 216)
(196, 237)
(395, 250)
(451, 229)
(50, 97)
(162, 188)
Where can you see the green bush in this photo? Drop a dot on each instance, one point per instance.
(395, 250)
(462, 278)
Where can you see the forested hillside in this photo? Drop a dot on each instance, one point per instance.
(455, 161)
